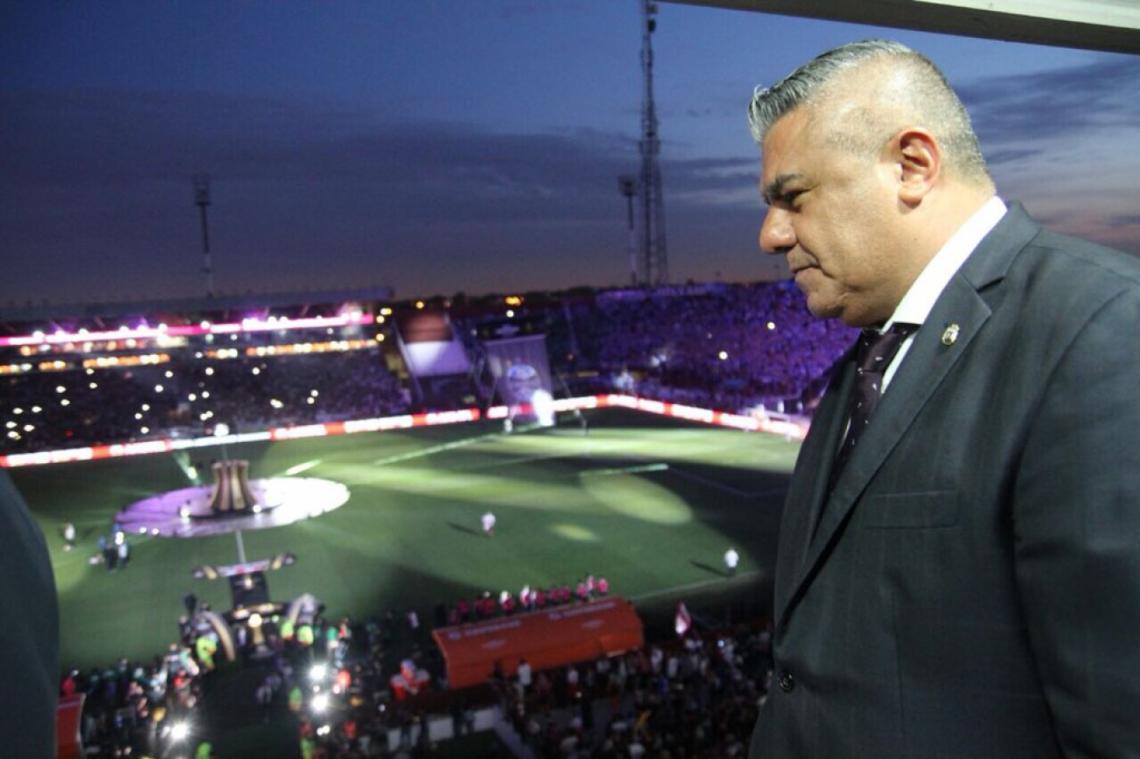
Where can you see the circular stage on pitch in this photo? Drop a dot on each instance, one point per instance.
(185, 513)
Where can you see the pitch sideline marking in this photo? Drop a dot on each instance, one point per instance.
(719, 485)
(697, 585)
(431, 451)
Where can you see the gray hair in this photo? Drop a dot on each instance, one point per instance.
(927, 96)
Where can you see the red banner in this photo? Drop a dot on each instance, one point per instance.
(550, 638)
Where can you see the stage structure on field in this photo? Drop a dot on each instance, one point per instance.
(231, 494)
(231, 504)
(253, 616)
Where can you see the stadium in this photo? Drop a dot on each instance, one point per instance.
(623, 440)
(534, 523)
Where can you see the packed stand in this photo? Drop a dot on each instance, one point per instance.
(688, 699)
(189, 395)
(728, 347)
(345, 686)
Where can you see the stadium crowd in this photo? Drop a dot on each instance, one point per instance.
(346, 686)
(693, 697)
(189, 396)
(729, 347)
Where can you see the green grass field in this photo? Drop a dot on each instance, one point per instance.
(650, 503)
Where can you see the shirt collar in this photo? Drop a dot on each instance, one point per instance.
(916, 305)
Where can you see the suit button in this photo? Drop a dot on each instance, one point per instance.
(787, 682)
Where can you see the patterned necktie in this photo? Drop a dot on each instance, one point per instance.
(872, 357)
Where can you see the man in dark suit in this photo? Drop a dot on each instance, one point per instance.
(958, 572)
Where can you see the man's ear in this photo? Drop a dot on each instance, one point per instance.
(919, 163)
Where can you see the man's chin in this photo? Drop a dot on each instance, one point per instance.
(822, 309)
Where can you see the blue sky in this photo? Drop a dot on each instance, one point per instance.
(437, 146)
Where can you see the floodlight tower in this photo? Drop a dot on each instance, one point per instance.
(627, 186)
(654, 263)
(202, 199)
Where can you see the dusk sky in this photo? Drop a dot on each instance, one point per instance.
(436, 146)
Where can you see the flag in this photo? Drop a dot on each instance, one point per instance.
(682, 622)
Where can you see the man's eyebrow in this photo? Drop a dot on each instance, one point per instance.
(775, 188)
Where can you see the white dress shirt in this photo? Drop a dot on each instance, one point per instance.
(916, 305)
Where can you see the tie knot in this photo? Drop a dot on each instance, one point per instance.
(876, 350)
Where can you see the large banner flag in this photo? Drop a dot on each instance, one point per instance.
(521, 369)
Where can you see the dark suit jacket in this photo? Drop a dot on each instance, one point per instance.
(973, 588)
(29, 633)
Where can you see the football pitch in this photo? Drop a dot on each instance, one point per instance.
(647, 502)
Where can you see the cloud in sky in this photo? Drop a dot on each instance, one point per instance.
(97, 196)
(1064, 142)
(101, 180)
(1056, 102)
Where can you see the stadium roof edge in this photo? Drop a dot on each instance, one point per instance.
(36, 312)
(1109, 25)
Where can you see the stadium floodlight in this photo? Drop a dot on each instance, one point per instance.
(179, 731)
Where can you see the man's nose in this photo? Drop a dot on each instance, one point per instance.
(776, 233)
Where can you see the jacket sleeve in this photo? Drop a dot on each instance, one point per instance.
(29, 631)
(1076, 527)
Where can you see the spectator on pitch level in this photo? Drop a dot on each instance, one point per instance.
(731, 559)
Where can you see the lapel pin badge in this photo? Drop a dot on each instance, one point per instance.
(950, 334)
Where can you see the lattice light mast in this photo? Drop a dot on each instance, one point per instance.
(627, 186)
(202, 199)
(654, 264)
